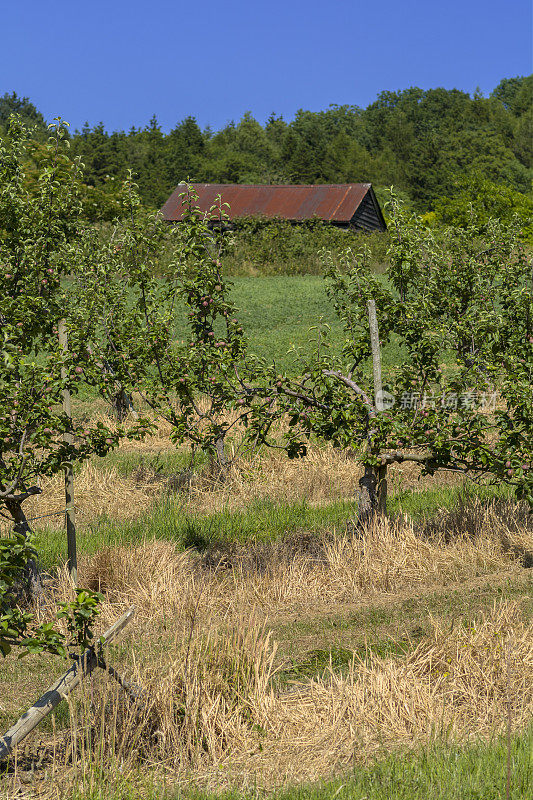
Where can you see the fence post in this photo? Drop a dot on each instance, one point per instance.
(381, 485)
(72, 561)
(82, 667)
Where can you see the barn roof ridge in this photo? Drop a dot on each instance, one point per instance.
(276, 185)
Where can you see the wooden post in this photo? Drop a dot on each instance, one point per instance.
(72, 560)
(59, 690)
(376, 355)
(382, 489)
(381, 483)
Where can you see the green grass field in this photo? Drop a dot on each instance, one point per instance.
(278, 313)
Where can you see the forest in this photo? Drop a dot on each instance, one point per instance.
(432, 145)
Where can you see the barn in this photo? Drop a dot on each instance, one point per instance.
(347, 205)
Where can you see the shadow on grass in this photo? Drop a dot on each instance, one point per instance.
(264, 531)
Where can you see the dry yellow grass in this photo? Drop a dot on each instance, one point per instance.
(98, 492)
(323, 476)
(458, 685)
(389, 558)
(201, 650)
(209, 707)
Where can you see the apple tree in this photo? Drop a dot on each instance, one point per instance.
(457, 305)
(41, 238)
(130, 318)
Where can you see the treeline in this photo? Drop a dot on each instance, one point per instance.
(429, 144)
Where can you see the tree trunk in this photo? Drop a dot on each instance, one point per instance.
(372, 495)
(122, 405)
(218, 462)
(68, 438)
(32, 582)
(367, 496)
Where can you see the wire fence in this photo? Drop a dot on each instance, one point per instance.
(7, 525)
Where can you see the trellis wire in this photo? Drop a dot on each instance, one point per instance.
(41, 516)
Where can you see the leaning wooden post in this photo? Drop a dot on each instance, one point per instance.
(59, 690)
(72, 560)
(381, 489)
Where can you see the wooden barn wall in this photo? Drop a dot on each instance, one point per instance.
(366, 217)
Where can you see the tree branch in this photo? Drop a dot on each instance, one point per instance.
(331, 373)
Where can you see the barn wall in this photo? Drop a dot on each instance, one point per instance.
(367, 216)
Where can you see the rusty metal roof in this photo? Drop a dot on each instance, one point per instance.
(331, 202)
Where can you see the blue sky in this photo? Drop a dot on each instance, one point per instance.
(120, 62)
